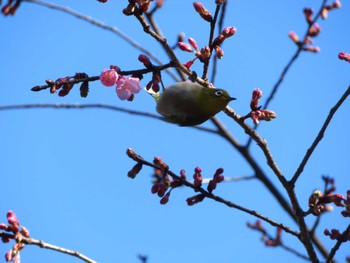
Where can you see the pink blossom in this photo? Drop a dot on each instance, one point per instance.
(109, 77)
(127, 86)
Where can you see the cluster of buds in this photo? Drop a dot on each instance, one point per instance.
(217, 178)
(335, 234)
(163, 184)
(346, 212)
(344, 56)
(11, 7)
(257, 114)
(270, 242)
(65, 85)
(324, 13)
(126, 87)
(205, 52)
(156, 78)
(318, 202)
(139, 6)
(19, 232)
(314, 29)
(203, 55)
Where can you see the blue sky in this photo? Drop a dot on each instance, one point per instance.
(64, 171)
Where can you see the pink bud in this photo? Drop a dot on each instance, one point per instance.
(202, 11)
(193, 43)
(145, 60)
(195, 199)
(344, 56)
(155, 188)
(336, 4)
(183, 174)
(11, 218)
(314, 30)
(108, 77)
(9, 256)
(324, 13)
(5, 227)
(184, 46)
(229, 31)
(189, 64)
(313, 49)
(293, 36)
(165, 198)
(219, 52)
(308, 12)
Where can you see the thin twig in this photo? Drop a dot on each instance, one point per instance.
(342, 239)
(42, 244)
(102, 25)
(137, 158)
(210, 41)
(95, 105)
(318, 137)
(231, 179)
(288, 66)
(220, 28)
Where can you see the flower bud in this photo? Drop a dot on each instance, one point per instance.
(195, 199)
(293, 36)
(308, 12)
(193, 43)
(314, 30)
(254, 102)
(202, 11)
(145, 60)
(189, 64)
(135, 170)
(184, 46)
(219, 52)
(229, 31)
(313, 49)
(108, 77)
(165, 198)
(344, 56)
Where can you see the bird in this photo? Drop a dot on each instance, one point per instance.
(189, 104)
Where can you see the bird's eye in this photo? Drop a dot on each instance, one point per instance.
(219, 93)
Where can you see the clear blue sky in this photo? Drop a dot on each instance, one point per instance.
(64, 171)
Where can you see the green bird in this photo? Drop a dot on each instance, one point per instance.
(189, 104)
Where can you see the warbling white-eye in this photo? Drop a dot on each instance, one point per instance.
(189, 104)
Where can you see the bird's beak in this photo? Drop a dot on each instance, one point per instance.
(231, 99)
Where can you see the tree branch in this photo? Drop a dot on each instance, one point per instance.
(42, 244)
(137, 158)
(319, 137)
(288, 66)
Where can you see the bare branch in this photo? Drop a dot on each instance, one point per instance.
(95, 105)
(319, 137)
(342, 239)
(288, 66)
(137, 158)
(42, 244)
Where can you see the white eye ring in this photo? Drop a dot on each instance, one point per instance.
(219, 93)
